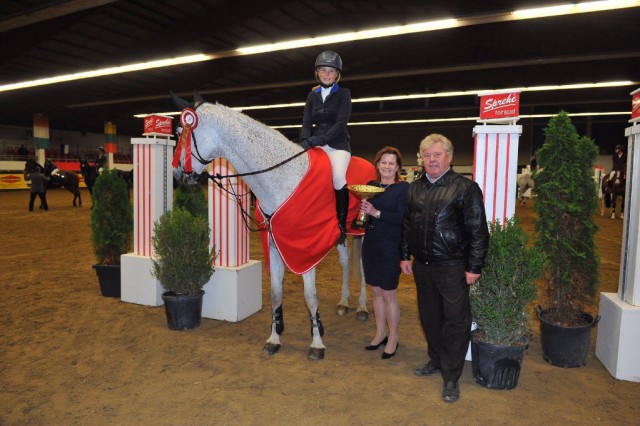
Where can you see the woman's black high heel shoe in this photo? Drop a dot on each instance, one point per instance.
(374, 347)
(387, 356)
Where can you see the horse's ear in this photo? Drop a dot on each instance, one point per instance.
(179, 102)
(197, 99)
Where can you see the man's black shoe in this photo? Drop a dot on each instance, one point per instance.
(427, 370)
(450, 391)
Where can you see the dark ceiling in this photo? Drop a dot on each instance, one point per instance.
(46, 38)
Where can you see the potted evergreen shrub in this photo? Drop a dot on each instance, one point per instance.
(183, 263)
(111, 224)
(565, 230)
(499, 303)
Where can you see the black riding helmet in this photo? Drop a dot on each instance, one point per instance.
(620, 147)
(328, 58)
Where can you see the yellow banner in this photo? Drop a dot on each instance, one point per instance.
(12, 181)
(16, 181)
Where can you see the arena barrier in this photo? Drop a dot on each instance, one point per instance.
(618, 339)
(234, 291)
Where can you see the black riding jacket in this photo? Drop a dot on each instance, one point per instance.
(619, 163)
(330, 118)
(444, 223)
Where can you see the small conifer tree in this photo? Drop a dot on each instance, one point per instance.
(111, 219)
(507, 286)
(182, 260)
(565, 228)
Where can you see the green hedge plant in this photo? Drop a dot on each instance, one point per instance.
(111, 219)
(565, 228)
(507, 286)
(192, 199)
(182, 260)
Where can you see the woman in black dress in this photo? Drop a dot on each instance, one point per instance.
(381, 248)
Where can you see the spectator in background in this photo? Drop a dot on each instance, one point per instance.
(37, 188)
(23, 151)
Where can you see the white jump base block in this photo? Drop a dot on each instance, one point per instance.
(138, 285)
(233, 293)
(618, 342)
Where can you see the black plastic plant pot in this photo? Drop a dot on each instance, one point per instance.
(184, 311)
(497, 366)
(563, 346)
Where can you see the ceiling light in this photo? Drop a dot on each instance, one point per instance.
(108, 71)
(568, 9)
(418, 27)
(435, 95)
(442, 120)
(350, 36)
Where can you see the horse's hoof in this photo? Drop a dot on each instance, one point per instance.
(342, 310)
(271, 349)
(315, 354)
(362, 316)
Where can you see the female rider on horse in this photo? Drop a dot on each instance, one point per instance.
(328, 107)
(619, 163)
(101, 161)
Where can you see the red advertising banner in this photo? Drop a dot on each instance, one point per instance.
(500, 106)
(157, 125)
(635, 106)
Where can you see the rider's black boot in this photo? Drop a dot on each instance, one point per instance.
(342, 208)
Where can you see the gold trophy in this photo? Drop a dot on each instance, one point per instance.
(364, 192)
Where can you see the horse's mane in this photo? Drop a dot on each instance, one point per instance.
(254, 126)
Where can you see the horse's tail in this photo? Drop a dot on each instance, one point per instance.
(356, 258)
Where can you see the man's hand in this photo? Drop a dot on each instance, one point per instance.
(471, 278)
(405, 265)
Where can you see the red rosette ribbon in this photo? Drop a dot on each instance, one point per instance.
(188, 121)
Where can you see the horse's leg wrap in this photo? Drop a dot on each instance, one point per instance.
(316, 323)
(278, 319)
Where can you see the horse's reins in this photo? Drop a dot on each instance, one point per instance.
(217, 179)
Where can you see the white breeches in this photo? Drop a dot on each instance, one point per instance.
(339, 165)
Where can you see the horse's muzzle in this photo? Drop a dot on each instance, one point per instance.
(185, 178)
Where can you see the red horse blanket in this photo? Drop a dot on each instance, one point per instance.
(305, 227)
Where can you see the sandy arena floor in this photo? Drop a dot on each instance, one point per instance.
(70, 356)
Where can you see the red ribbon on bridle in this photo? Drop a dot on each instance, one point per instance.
(188, 121)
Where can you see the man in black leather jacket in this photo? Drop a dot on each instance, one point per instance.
(445, 230)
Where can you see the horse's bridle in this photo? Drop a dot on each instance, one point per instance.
(197, 153)
(217, 179)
